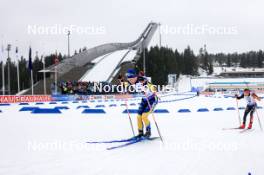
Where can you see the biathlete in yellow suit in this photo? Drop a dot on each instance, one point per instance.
(148, 102)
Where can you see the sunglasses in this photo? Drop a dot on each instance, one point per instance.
(130, 75)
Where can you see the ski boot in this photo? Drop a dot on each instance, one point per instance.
(148, 132)
(242, 126)
(140, 134)
(250, 122)
(250, 125)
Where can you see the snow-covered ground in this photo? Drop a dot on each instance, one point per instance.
(194, 143)
(106, 64)
(130, 56)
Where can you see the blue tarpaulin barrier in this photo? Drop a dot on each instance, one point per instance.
(131, 111)
(184, 110)
(100, 106)
(83, 106)
(62, 107)
(4, 104)
(46, 111)
(203, 110)
(161, 111)
(218, 109)
(28, 108)
(93, 111)
(230, 108)
(23, 104)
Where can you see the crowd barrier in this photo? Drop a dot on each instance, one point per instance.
(24, 98)
(80, 98)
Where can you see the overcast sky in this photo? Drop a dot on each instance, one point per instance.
(223, 25)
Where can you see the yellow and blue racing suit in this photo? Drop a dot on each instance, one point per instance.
(147, 105)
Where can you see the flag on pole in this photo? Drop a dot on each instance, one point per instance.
(3, 71)
(30, 59)
(31, 71)
(56, 62)
(18, 76)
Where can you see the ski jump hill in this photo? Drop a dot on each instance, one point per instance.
(100, 63)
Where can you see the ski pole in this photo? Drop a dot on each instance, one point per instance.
(153, 117)
(128, 113)
(238, 113)
(260, 125)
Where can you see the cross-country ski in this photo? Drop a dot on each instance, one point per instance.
(131, 142)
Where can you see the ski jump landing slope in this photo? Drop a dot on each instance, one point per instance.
(103, 69)
(194, 142)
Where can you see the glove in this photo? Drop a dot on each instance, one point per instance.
(236, 96)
